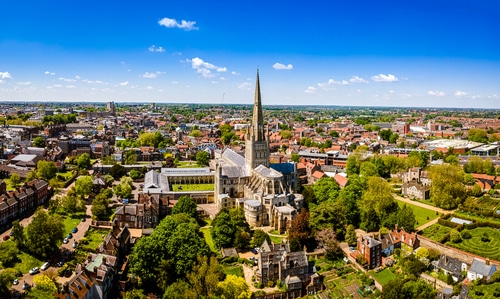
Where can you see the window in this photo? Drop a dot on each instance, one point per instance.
(154, 219)
(132, 218)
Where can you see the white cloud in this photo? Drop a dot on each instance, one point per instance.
(66, 79)
(77, 77)
(123, 83)
(49, 73)
(154, 48)
(385, 78)
(24, 83)
(149, 87)
(245, 85)
(310, 90)
(152, 75)
(436, 93)
(222, 78)
(70, 86)
(332, 82)
(280, 66)
(494, 96)
(205, 68)
(93, 82)
(5, 75)
(174, 82)
(235, 73)
(461, 94)
(476, 97)
(172, 23)
(356, 79)
(215, 82)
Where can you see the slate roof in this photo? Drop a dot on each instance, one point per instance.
(480, 267)
(233, 157)
(234, 171)
(284, 168)
(452, 265)
(267, 172)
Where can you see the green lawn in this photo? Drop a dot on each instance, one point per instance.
(234, 270)
(187, 164)
(209, 240)
(435, 232)
(66, 175)
(193, 187)
(94, 237)
(69, 224)
(422, 215)
(476, 216)
(383, 276)
(27, 262)
(276, 240)
(475, 245)
(9, 184)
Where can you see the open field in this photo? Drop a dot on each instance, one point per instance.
(234, 270)
(193, 187)
(383, 276)
(422, 215)
(187, 164)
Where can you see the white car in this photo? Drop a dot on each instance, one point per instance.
(45, 266)
(34, 270)
(16, 281)
(66, 240)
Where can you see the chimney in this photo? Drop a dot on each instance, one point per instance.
(396, 227)
(487, 262)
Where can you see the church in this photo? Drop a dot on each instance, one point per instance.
(265, 191)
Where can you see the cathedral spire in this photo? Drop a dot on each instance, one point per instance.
(257, 120)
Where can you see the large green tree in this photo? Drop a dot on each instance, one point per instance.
(202, 158)
(46, 169)
(325, 189)
(38, 142)
(447, 190)
(44, 234)
(187, 205)
(8, 254)
(205, 275)
(84, 185)
(169, 252)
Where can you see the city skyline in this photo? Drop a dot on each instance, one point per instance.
(430, 54)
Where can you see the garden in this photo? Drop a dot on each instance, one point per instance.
(192, 187)
(422, 215)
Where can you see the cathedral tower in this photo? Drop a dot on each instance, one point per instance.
(257, 141)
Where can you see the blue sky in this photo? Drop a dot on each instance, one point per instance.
(426, 53)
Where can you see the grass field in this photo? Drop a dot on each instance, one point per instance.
(435, 232)
(422, 215)
(383, 276)
(193, 187)
(69, 224)
(276, 240)
(234, 270)
(94, 237)
(187, 164)
(209, 240)
(488, 249)
(27, 262)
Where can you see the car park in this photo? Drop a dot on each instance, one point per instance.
(45, 266)
(34, 271)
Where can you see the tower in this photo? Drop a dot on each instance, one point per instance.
(257, 141)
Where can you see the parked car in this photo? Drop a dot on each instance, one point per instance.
(74, 230)
(61, 263)
(83, 219)
(6, 237)
(66, 240)
(25, 286)
(125, 201)
(16, 281)
(70, 235)
(74, 244)
(45, 266)
(34, 270)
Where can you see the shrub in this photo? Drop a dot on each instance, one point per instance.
(465, 234)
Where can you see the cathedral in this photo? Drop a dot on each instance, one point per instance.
(265, 191)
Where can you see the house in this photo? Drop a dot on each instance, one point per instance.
(415, 184)
(369, 249)
(451, 266)
(277, 262)
(480, 269)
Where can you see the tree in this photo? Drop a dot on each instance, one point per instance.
(295, 157)
(130, 157)
(327, 239)
(187, 205)
(378, 197)
(368, 169)
(8, 254)
(447, 191)
(44, 234)
(99, 207)
(123, 189)
(46, 169)
(180, 290)
(205, 276)
(83, 161)
(394, 138)
(299, 228)
(45, 283)
(258, 238)
(222, 229)
(176, 243)
(202, 158)
(286, 134)
(422, 158)
(329, 215)
(18, 234)
(422, 252)
(477, 135)
(71, 204)
(469, 180)
(325, 189)
(135, 294)
(405, 218)
(350, 235)
(385, 134)
(6, 278)
(84, 186)
(135, 174)
(455, 236)
(15, 179)
(38, 142)
(234, 287)
(31, 176)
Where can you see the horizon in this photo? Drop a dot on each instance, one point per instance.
(431, 54)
